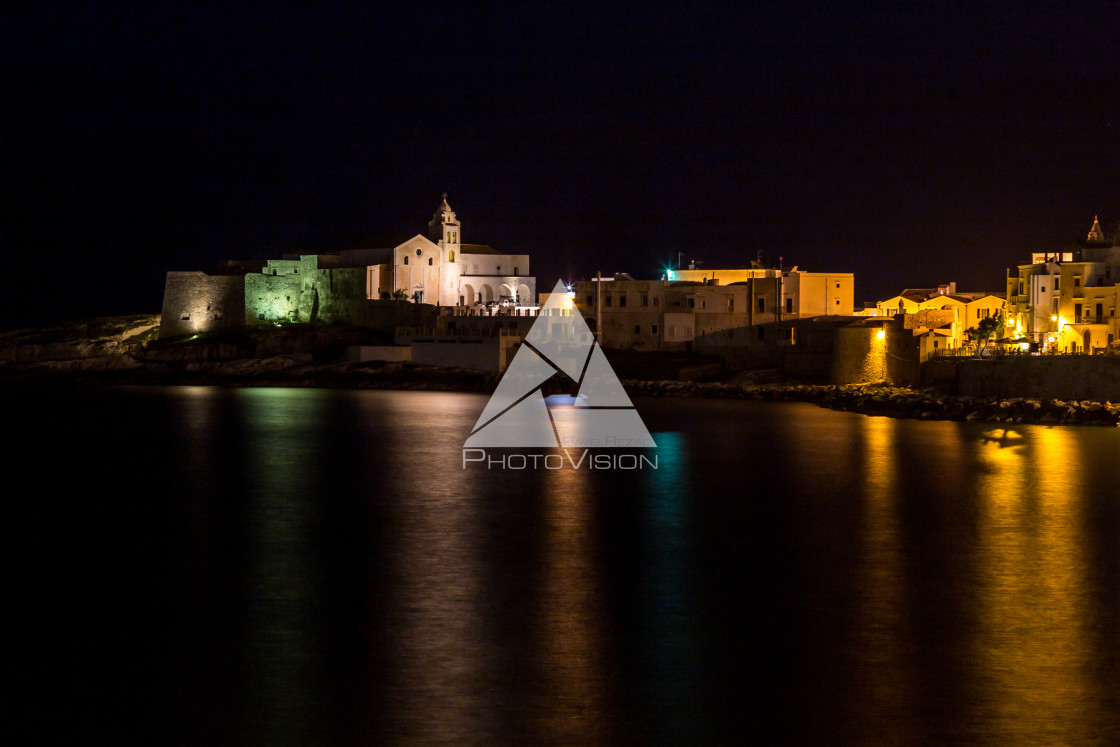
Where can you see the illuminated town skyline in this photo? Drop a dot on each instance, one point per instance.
(910, 147)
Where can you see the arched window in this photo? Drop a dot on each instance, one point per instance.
(451, 256)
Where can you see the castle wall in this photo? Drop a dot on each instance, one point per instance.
(858, 356)
(272, 298)
(334, 295)
(195, 302)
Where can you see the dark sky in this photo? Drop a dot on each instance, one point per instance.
(919, 143)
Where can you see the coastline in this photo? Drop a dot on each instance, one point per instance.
(301, 370)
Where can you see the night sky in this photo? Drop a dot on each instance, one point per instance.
(916, 144)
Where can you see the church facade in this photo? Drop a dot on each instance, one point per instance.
(443, 270)
(362, 286)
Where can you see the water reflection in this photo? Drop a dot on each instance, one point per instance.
(282, 435)
(672, 690)
(789, 574)
(572, 686)
(440, 661)
(1031, 644)
(886, 694)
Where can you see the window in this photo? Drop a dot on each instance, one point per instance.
(451, 256)
(653, 329)
(789, 305)
(645, 299)
(406, 260)
(621, 299)
(692, 303)
(761, 308)
(607, 300)
(703, 303)
(730, 304)
(656, 301)
(590, 300)
(1044, 289)
(1056, 281)
(637, 329)
(516, 270)
(1076, 282)
(838, 286)
(429, 261)
(837, 301)
(498, 269)
(186, 316)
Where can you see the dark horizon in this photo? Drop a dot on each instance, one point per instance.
(917, 146)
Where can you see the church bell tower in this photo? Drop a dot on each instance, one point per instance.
(443, 228)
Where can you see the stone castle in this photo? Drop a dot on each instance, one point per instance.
(391, 282)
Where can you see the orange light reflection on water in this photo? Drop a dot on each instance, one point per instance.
(573, 682)
(883, 612)
(1031, 647)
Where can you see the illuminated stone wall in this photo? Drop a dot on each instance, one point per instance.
(272, 298)
(334, 295)
(858, 356)
(195, 302)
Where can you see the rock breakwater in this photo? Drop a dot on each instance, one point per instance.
(898, 402)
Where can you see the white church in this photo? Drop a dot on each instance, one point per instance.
(440, 269)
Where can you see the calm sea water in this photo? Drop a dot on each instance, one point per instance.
(275, 566)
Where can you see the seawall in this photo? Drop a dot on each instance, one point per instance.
(1063, 377)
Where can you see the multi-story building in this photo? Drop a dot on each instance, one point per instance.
(941, 316)
(670, 314)
(1067, 301)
